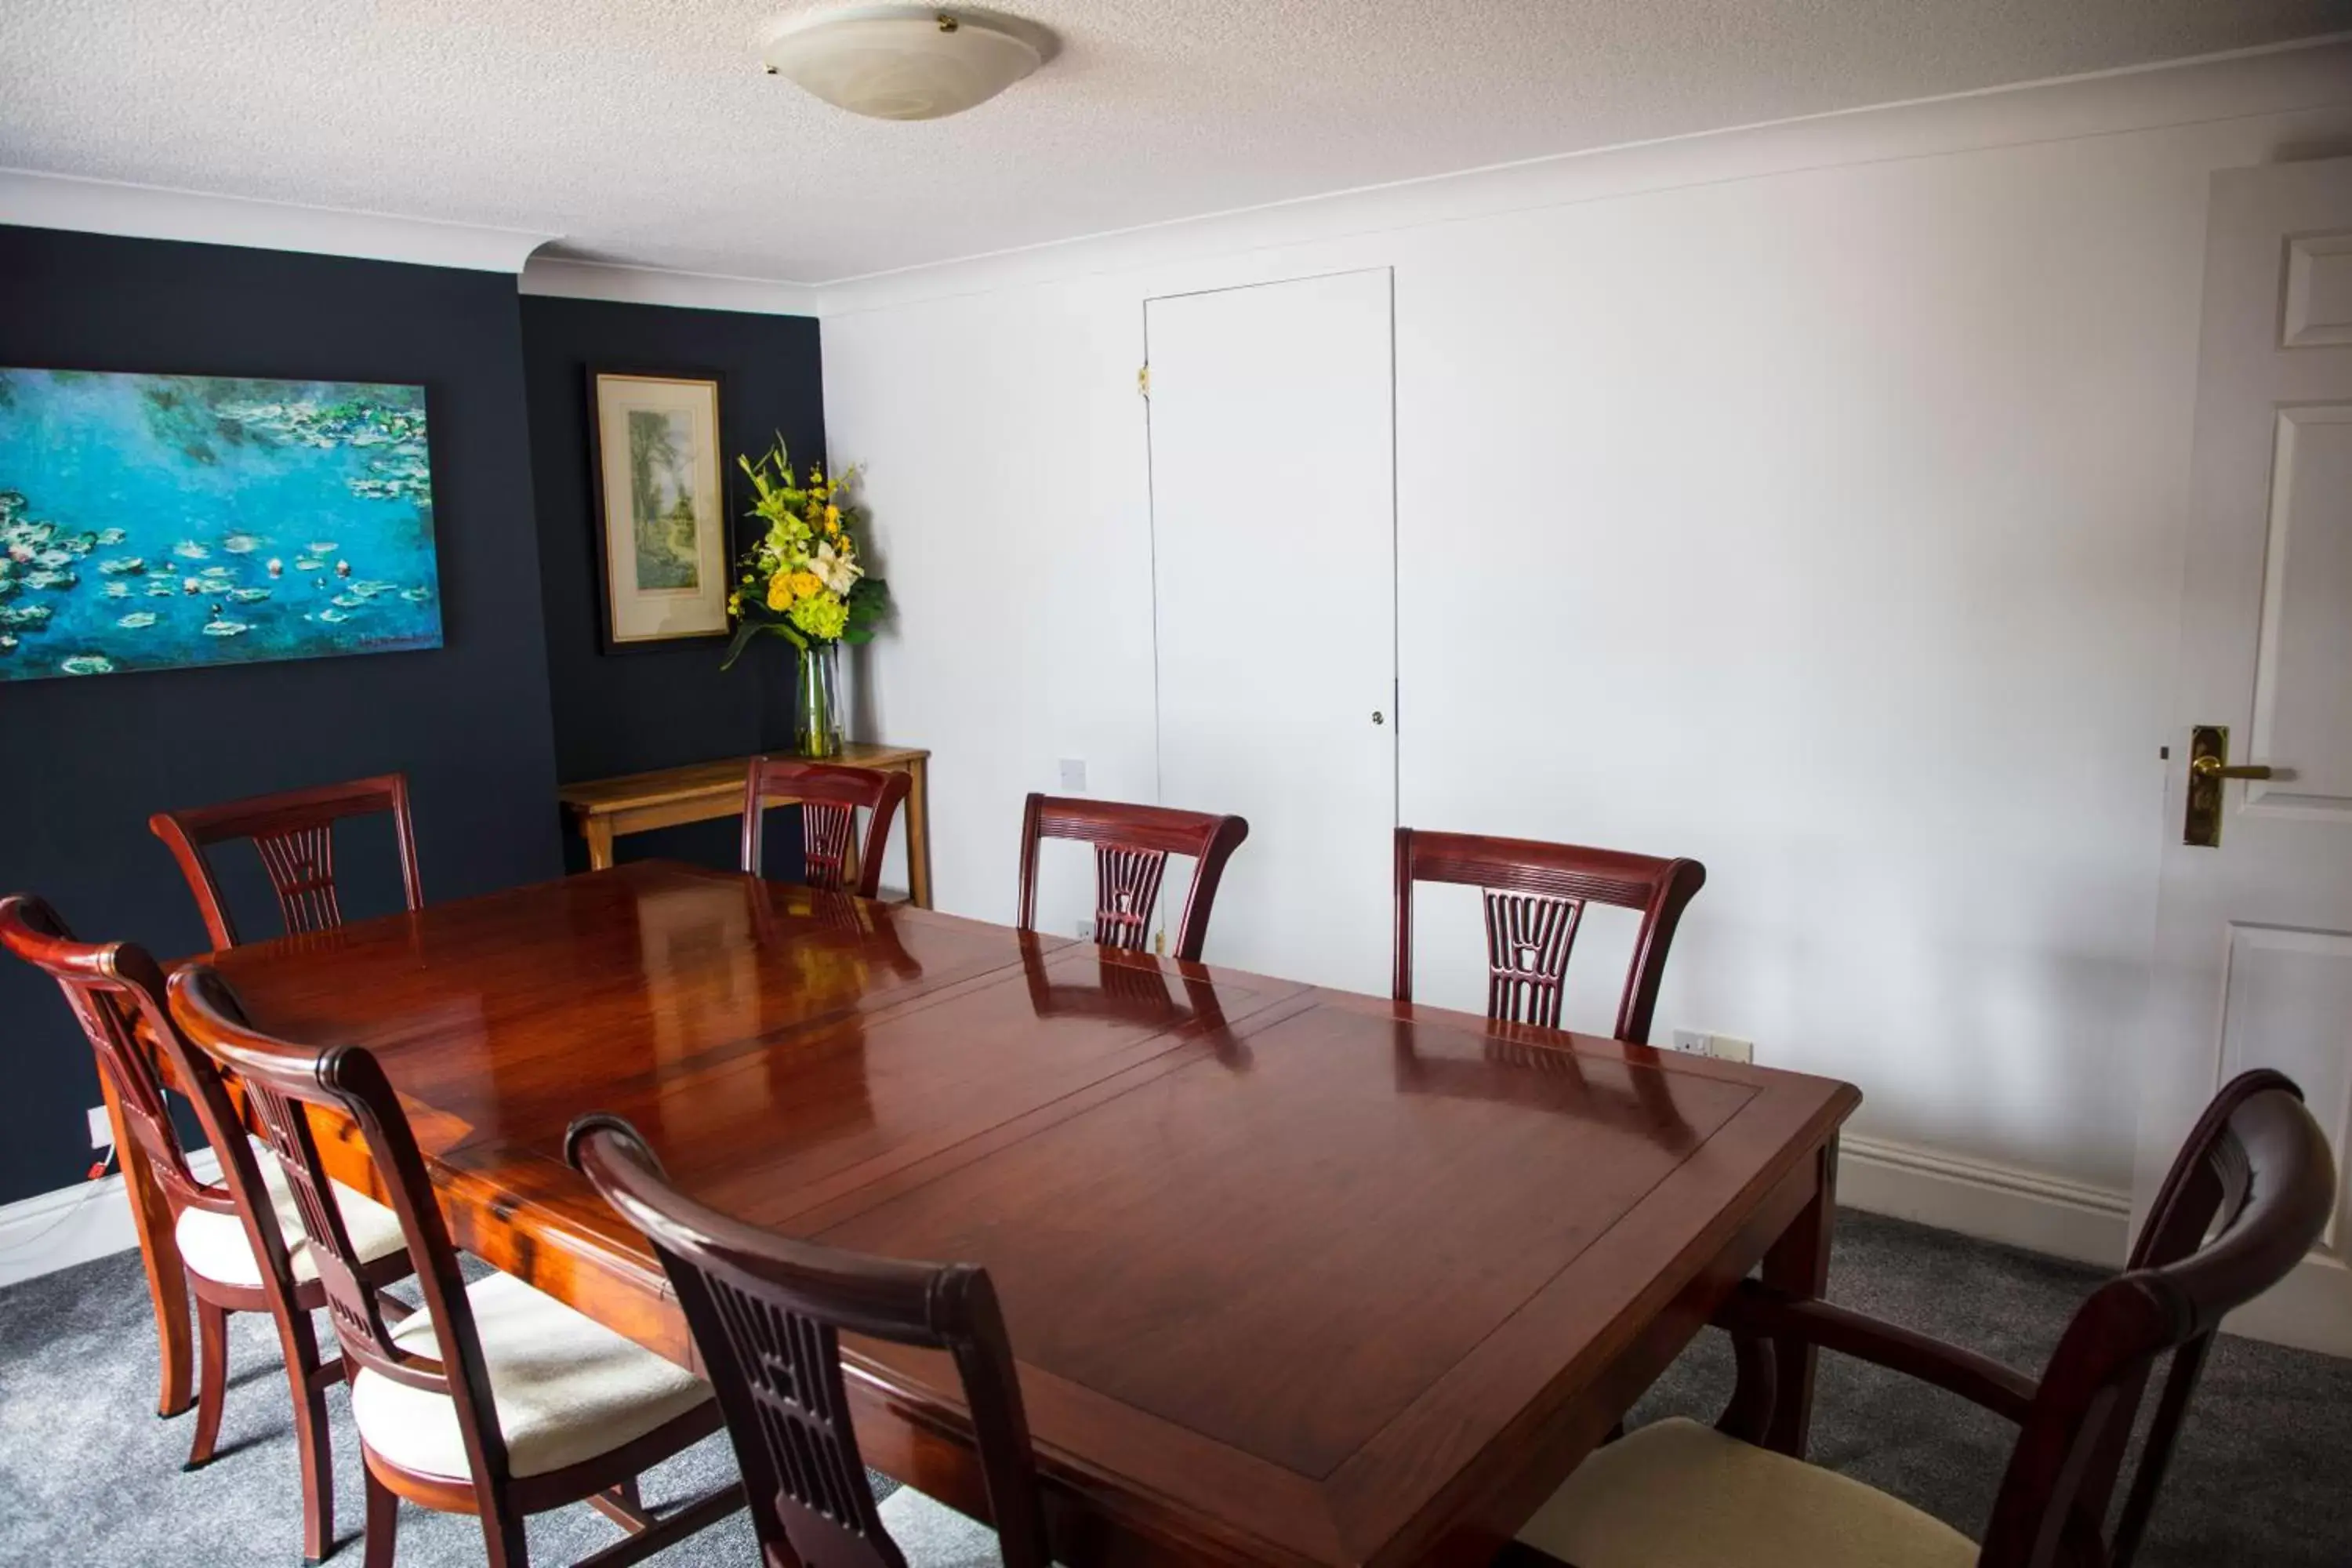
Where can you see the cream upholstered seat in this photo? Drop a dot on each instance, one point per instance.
(1676, 1494)
(214, 1244)
(566, 1389)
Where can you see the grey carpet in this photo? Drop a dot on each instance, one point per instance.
(91, 1476)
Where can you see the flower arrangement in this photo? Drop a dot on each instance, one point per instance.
(805, 579)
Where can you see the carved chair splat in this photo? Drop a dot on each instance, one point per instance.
(830, 798)
(1132, 843)
(1535, 895)
(2249, 1193)
(294, 834)
(766, 1313)
(669, 1412)
(114, 991)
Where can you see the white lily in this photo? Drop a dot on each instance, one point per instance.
(837, 571)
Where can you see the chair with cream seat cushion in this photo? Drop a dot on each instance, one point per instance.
(2248, 1196)
(492, 1399)
(1676, 1494)
(565, 1388)
(214, 1244)
(116, 991)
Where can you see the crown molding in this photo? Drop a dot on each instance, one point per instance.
(152, 212)
(2308, 75)
(568, 277)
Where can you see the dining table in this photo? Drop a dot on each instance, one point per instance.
(1292, 1275)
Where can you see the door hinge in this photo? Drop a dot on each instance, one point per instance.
(1143, 381)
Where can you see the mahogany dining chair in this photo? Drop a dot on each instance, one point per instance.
(2249, 1193)
(766, 1313)
(1132, 843)
(294, 832)
(830, 798)
(240, 1242)
(1535, 896)
(493, 1399)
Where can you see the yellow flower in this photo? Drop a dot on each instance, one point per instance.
(780, 591)
(804, 584)
(832, 518)
(735, 606)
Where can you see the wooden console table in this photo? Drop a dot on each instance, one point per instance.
(606, 809)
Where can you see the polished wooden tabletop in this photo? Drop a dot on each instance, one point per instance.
(1293, 1276)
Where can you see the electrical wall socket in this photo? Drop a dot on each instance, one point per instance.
(101, 1131)
(1074, 775)
(1086, 931)
(1723, 1048)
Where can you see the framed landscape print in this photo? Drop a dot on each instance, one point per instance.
(661, 505)
(158, 521)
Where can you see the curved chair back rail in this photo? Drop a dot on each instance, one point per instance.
(1535, 896)
(2246, 1199)
(283, 1082)
(115, 990)
(1132, 843)
(110, 988)
(830, 797)
(294, 832)
(766, 1313)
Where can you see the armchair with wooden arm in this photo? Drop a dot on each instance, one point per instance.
(2245, 1200)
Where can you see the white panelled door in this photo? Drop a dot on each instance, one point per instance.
(2253, 959)
(1274, 560)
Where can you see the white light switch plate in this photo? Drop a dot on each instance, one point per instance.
(1074, 775)
(1722, 1047)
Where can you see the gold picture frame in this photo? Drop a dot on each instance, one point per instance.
(661, 505)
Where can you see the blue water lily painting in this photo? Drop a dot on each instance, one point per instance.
(156, 521)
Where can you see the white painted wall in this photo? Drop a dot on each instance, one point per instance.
(1821, 488)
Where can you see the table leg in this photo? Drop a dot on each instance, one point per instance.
(1799, 1263)
(598, 832)
(919, 834)
(167, 1278)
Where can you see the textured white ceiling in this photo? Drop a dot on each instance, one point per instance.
(644, 131)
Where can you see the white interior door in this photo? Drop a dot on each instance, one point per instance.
(2254, 936)
(1274, 558)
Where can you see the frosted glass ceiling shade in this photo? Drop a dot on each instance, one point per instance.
(906, 62)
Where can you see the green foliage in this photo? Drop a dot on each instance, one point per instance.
(805, 578)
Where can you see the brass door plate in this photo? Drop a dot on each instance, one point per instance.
(2201, 825)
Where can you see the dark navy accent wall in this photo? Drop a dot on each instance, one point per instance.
(83, 761)
(522, 695)
(658, 707)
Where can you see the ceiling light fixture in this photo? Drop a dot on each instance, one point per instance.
(906, 62)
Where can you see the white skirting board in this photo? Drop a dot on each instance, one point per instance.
(1992, 1203)
(50, 1231)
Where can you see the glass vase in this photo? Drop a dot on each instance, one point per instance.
(816, 705)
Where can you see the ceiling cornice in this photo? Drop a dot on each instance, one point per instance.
(567, 277)
(2312, 74)
(149, 212)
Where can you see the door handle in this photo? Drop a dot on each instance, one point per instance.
(2215, 768)
(2208, 767)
